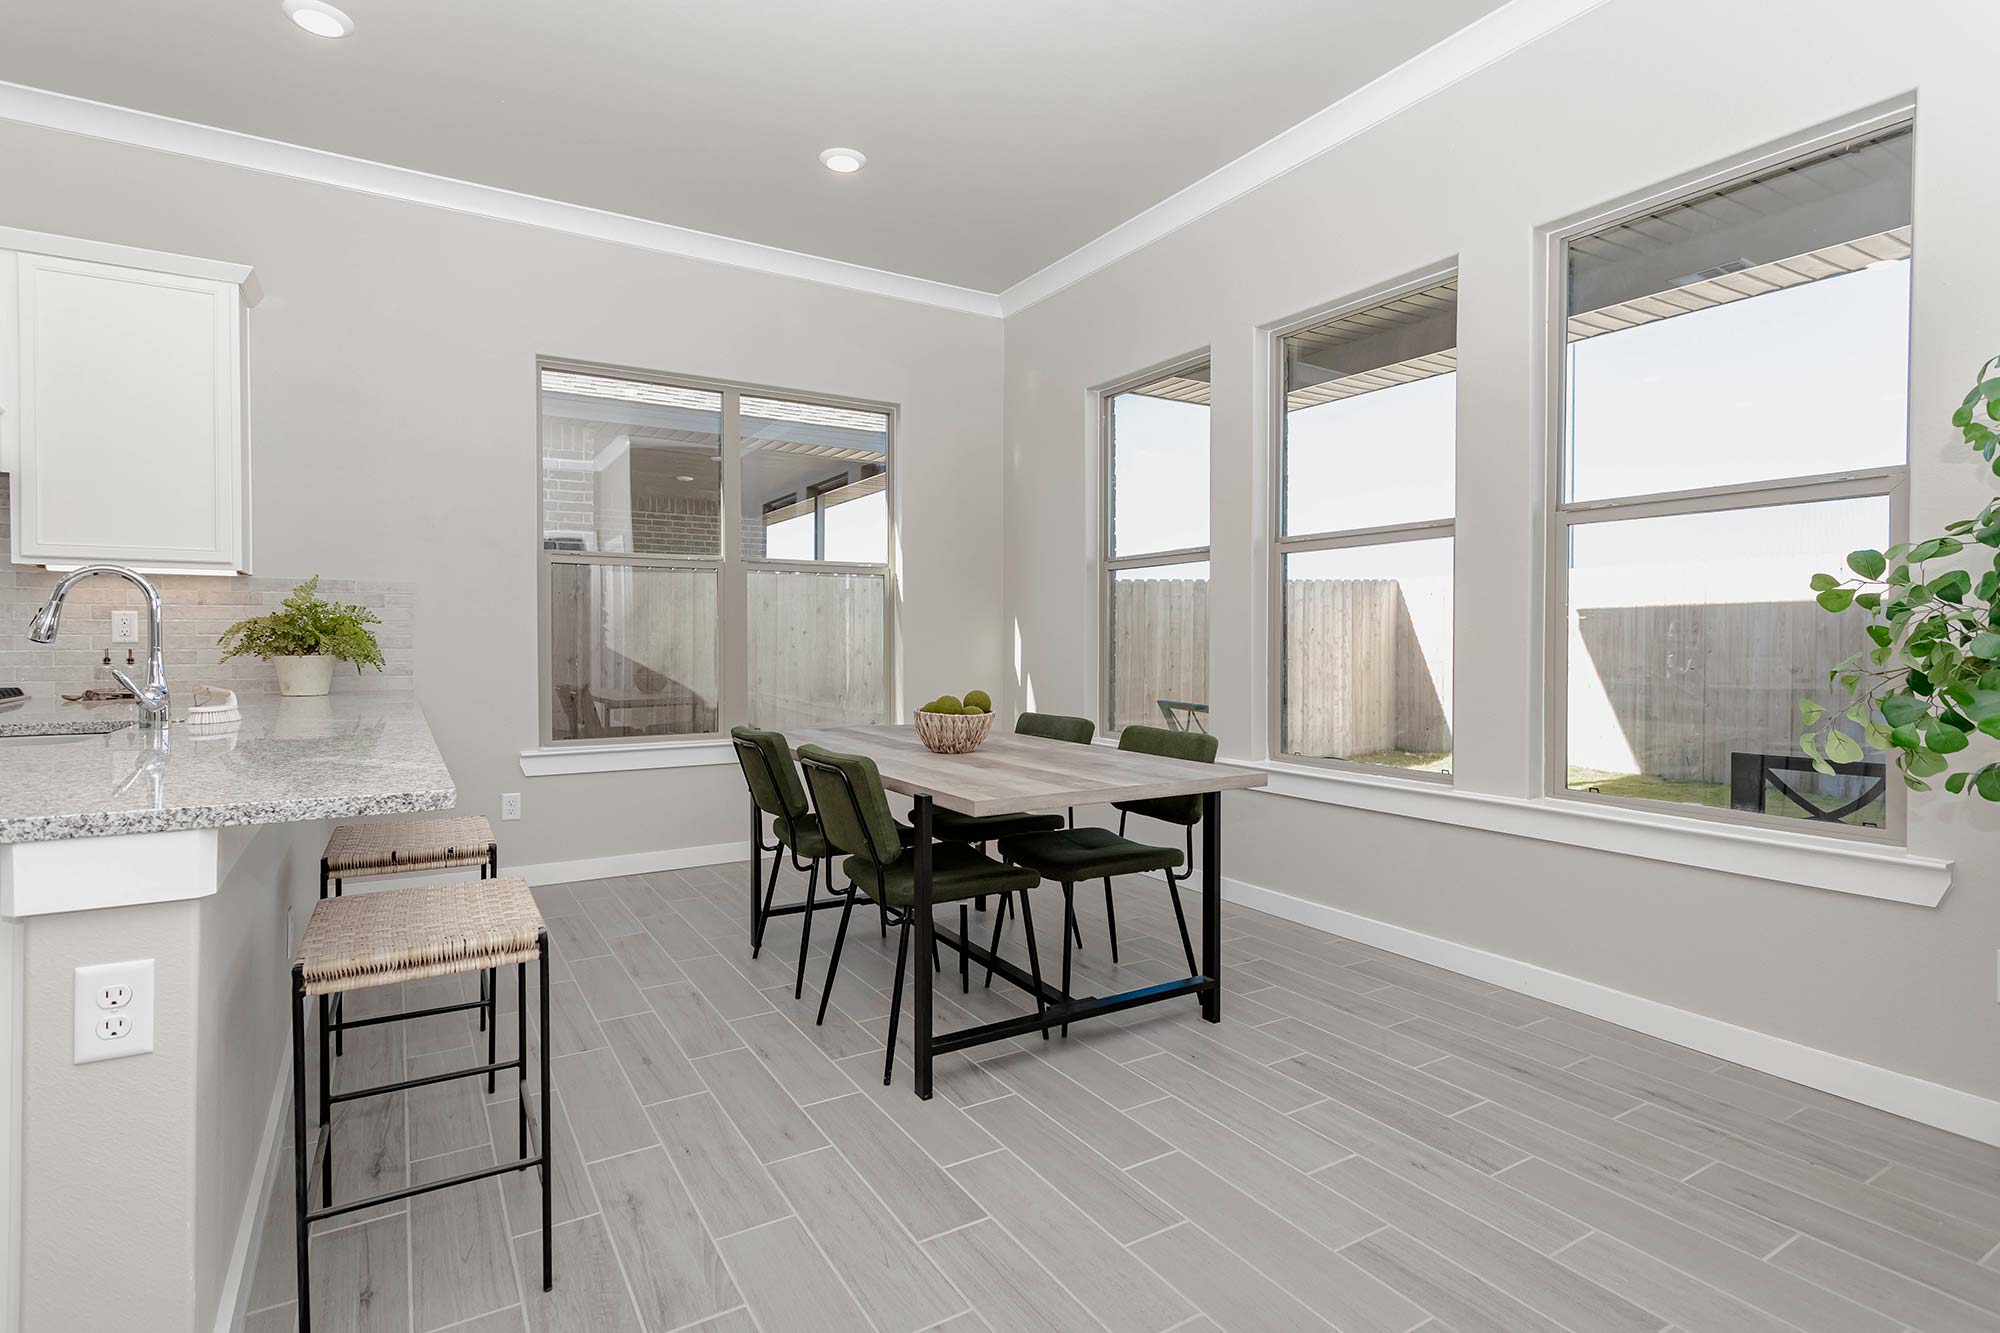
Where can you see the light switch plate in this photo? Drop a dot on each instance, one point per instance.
(113, 1010)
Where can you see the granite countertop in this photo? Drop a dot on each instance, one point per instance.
(88, 773)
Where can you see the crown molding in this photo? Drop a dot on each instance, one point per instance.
(1490, 38)
(143, 129)
(1472, 48)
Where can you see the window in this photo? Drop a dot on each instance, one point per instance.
(1365, 506)
(1156, 551)
(666, 558)
(1734, 418)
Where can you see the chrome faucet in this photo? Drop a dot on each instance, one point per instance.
(152, 697)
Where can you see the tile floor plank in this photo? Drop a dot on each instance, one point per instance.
(730, 1187)
(771, 1122)
(888, 1275)
(650, 1059)
(676, 1272)
(916, 1189)
(999, 1278)
(787, 1282)
(1204, 1270)
(589, 1295)
(1110, 1197)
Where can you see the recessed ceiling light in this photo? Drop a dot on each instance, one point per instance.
(683, 478)
(319, 18)
(843, 160)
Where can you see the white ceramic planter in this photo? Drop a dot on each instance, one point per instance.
(304, 677)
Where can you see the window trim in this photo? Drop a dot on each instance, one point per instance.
(1890, 483)
(1108, 564)
(1280, 544)
(731, 567)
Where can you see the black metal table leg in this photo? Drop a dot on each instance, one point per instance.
(1211, 904)
(920, 906)
(301, 1192)
(548, 1116)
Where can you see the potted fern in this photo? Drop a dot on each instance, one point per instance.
(304, 637)
(1930, 680)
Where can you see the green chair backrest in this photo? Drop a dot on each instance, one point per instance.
(768, 769)
(1056, 727)
(854, 813)
(1198, 746)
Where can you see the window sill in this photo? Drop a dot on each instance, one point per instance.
(1837, 865)
(555, 761)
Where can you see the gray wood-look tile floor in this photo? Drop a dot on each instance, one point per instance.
(1365, 1143)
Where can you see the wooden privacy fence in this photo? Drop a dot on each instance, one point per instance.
(816, 645)
(634, 649)
(1159, 646)
(1688, 685)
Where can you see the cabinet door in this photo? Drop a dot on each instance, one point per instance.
(130, 434)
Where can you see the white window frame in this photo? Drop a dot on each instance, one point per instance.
(732, 568)
(1891, 483)
(1283, 544)
(1109, 564)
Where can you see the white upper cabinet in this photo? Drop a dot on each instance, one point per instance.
(123, 407)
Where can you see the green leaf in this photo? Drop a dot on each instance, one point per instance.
(1842, 748)
(1906, 737)
(1868, 564)
(1923, 551)
(1882, 635)
(1942, 739)
(1810, 711)
(1985, 645)
(1981, 704)
(1900, 707)
(1836, 599)
(1876, 734)
(1915, 784)
(1870, 601)
(1952, 587)
(1918, 683)
(1821, 582)
(1987, 783)
(1956, 782)
(1924, 763)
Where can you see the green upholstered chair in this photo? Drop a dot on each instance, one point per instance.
(854, 813)
(951, 826)
(775, 790)
(1069, 856)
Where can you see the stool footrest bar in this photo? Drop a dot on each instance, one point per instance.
(411, 1191)
(424, 1082)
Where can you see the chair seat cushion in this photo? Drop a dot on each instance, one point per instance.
(951, 826)
(1076, 854)
(957, 872)
(805, 837)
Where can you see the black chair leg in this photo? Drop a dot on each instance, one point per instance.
(882, 920)
(1069, 915)
(964, 954)
(1034, 959)
(999, 920)
(1187, 944)
(763, 916)
(896, 1001)
(1111, 920)
(1075, 932)
(806, 932)
(833, 963)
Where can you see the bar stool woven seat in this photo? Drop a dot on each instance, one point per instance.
(396, 847)
(378, 939)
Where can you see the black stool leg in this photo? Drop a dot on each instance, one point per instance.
(896, 1001)
(491, 1015)
(521, 1051)
(1111, 919)
(833, 963)
(301, 1192)
(548, 1119)
(325, 1104)
(806, 930)
(1069, 915)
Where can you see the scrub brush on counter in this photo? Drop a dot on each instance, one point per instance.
(213, 707)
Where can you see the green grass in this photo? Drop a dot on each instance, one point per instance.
(1417, 761)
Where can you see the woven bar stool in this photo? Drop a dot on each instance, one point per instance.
(381, 939)
(409, 847)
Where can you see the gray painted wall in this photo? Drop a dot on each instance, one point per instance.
(1471, 173)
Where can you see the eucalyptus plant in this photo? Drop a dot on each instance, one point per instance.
(1931, 680)
(307, 625)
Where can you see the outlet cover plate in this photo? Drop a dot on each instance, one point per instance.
(137, 977)
(124, 627)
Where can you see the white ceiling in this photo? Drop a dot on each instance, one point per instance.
(1000, 137)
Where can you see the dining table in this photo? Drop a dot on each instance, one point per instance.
(1015, 774)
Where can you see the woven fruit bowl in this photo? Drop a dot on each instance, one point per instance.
(953, 733)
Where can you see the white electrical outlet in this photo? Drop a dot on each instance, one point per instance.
(113, 1009)
(510, 805)
(124, 627)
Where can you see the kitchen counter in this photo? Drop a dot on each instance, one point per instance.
(288, 760)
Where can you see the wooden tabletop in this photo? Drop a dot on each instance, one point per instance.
(1010, 774)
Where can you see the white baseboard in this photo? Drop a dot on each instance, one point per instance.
(631, 863)
(235, 1294)
(1914, 1098)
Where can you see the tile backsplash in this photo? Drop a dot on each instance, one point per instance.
(194, 610)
